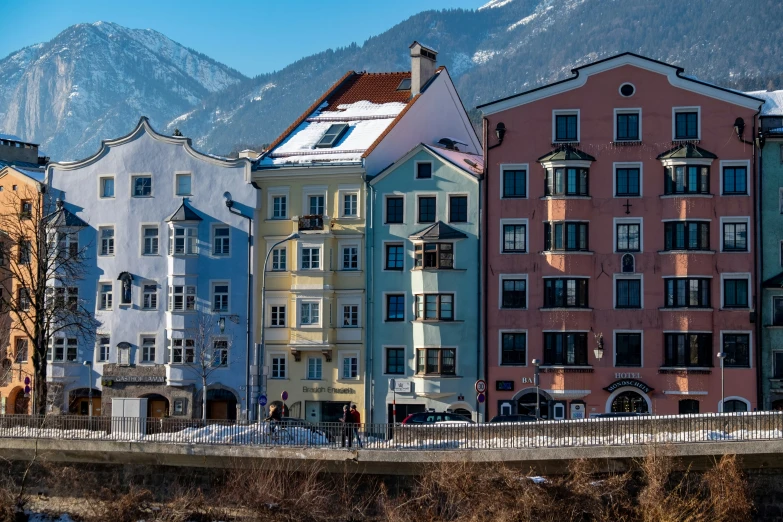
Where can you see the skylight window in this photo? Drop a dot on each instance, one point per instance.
(332, 136)
(405, 85)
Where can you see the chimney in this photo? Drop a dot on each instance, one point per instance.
(423, 61)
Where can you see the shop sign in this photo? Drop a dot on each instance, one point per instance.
(504, 385)
(628, 382)
(136, 378)
(328, 389)
(627, 375)
(402, 386)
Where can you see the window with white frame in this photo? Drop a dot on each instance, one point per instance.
(183, 351)
(62, 349)
(735, 290)
(106, 235)
(566, 126)
(278, 367)
(22, 349)
(350, 204)
(315, 204)
(309, 313)
(311, 258)
(220, 353)
(67, 245)
(221, 241)
(279, 206)
(314, 368)
(148, 350)
(149, 299)
(107, 187)
(350, 316)
(277, 316)
(220, 297)
(350, 257)
(142, 186)
(350, 366)
(183, 182)
(686, 123)
(183, 240)
(106, 296)
(182, 298)
(628, 125)
(104, 348)
(279, 259)
(735, 235)
(151, 240)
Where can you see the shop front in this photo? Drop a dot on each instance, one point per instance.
(316, 401)
(146, 382)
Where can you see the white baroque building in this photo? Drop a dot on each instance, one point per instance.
(168, 274)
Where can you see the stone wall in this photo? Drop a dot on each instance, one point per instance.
(141, 381)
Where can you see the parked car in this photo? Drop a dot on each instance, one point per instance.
(512, 418)
(434, 417)
(620, 414)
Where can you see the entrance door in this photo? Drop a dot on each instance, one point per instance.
(157, 408)
(403, 410)
(218, 410)
(313, 411)
(629, 401)
(526, 405)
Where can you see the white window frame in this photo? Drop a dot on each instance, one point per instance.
(142, 359)
(102, 294)
(144, 295)
(280, 356)
(735, 163)
(500, 347)
(416, 164)
(614, 346)
(675, 110)
(629, 110)
(749, 333)
(404, 207)
(213, 237)
(420, 195)
(99, 345)
(277, 304)
(514, 166)
(275, 253)
(342, 356)
(737, 275)
(503, 277)
(342, 245)
(133, 179)
(214, 349)
(191, 232)
(627, 165)
(101, 183)
(213, 294)
(185, 294)
(177, 176)
(629, 275)
(113, 240)
(276, 192)
(310, 302)
(628, 221)
(320, 368)
(305, 246)
(515, 221)
(343, 191)
(321, 190)
(144, 228)
(178, 336)
(567, 112)
(736, 219)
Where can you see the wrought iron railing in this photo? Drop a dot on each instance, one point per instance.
(619, 431)
(313, 222)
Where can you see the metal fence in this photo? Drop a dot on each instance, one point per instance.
(444, 436)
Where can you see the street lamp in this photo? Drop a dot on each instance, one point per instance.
(88, 364)
(598, 351)
(722, 356)
(537, 382)
(260, 356)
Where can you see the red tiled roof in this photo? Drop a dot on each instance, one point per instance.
(372, 87)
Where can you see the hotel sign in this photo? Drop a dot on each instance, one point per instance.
(633, 383)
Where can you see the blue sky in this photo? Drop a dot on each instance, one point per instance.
(251, 36)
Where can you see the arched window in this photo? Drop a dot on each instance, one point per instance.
(464, 412)
(629, 401)
(734, 405)
(689, 406)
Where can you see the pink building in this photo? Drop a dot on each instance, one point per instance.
(618, 244)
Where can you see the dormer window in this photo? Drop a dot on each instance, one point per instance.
(332, 136)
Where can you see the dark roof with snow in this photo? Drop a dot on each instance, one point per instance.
(184, 213)
(686, 151)
(439, 230)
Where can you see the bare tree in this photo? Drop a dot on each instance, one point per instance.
(44, 263)
(204, 350)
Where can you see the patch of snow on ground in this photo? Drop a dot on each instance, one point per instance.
(492, 4)
(482, 57)
(461, 64)
(260, 95)
(526, 20)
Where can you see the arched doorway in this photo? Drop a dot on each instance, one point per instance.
(157, 405)
(17, 403)
(79, 401)
(221, 404)
(526, 403)
(734, 405)
(629, 401)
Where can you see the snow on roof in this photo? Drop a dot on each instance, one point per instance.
(773, 102)
(367, 103)
(9, 137)
(32, 173)
(470, 163)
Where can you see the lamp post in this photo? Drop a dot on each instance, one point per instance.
(598, 351)
(537, 382)
(260, 356)
(88, 364)
(722, 356)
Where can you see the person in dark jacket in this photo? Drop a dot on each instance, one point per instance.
(275, 416)
(347, 432)
(357, 421)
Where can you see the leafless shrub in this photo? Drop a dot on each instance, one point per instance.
(729, 494)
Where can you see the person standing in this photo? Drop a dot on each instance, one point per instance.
(273, 418)
(347, 420)
(357, 421)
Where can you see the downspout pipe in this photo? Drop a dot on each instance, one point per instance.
(484, 265)
(481, 367)
(369, 386)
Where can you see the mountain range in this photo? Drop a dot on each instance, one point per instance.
(94, 81)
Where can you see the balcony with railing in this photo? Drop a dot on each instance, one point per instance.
(313, 222)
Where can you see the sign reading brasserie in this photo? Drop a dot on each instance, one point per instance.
(327, 389)
(628, 382)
